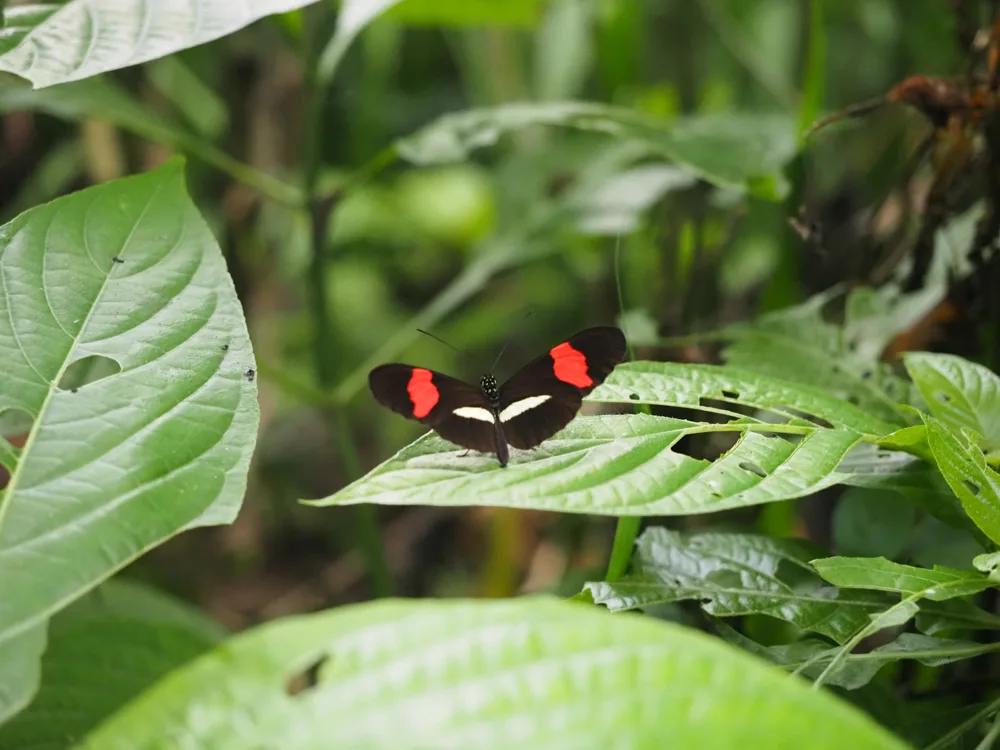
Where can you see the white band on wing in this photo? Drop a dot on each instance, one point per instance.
(519, 407)
(475, 412)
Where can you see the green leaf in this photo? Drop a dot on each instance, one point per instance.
(609, 465)
(114, 466)
(738, 574)
(532, 673)
(83, 38)
(810, 656)
(964, 468)
(952, 614)
(512, 13)
(689, 385)
(962, 394)
(119, 623)
(20, 670)
(745, 151)
(880, 574)
(798, 343)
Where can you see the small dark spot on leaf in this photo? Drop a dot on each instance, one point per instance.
(852, 399)
(250, 374)
(715, 494)
(971, 486)
(730, 394)
(752, 468)
(944, 398)
(116, 259)
(225, 347)
(634, 396)
(73, 390)
(865, 374)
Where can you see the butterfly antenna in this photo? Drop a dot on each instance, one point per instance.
(438, 338)
(502, 348)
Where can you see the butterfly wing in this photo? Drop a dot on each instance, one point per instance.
(456, 411)
(543, 396)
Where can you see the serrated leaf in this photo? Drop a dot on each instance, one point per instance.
(738, 574)
(83, 38)
(119, 623)
(745, 152)
(20, 670)
(970, 478)
(962, 394)
(608, 465)
(676, 384)
(877, 573)
(532, 673)
(116, 466)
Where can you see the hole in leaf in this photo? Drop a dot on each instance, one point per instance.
(687, 445)
(634, 396)
(305, 679)
(852, 399)
(971, 486)
(819, 421)
(730, 394)
(944, 398)
(752, 468)
(865, 374)
(88, 371)
(15, 426)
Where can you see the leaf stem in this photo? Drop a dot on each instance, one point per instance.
(626, 532)
(320, 211)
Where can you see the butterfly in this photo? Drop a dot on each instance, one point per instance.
(535, 403)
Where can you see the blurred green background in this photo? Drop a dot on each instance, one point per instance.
(575, 228)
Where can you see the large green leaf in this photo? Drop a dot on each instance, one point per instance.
(610, 465)
(82, 38)
(960, 393)
(676, 384)
(129, 273)
(20, 670)
(965, 469)
(740, 151)
(532, 673)
(877, 573)
(120, 623)
(738, 574)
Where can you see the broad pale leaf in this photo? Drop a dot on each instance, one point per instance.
(962, 394)
(532, 673)
(82, 38)
(738, 574)
(20, 670)
(127, 272)
(609, 465)
(877, 573)
(120, 623)
(701, 386)
(970, 478)
(745, 152)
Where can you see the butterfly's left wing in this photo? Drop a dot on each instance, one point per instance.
(543, 397)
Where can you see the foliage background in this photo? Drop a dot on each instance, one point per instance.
(564, 223)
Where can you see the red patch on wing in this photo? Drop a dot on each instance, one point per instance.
(570, 366)
(423, 393)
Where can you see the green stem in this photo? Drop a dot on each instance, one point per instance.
(265, 184)
(320, 211)
(621, 551)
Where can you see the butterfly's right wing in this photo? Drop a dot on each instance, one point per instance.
(457, 411)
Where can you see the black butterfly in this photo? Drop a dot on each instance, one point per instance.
(538, 400)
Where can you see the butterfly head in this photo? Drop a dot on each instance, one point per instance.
(489, 385)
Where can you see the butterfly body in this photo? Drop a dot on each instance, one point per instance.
(535, 403)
